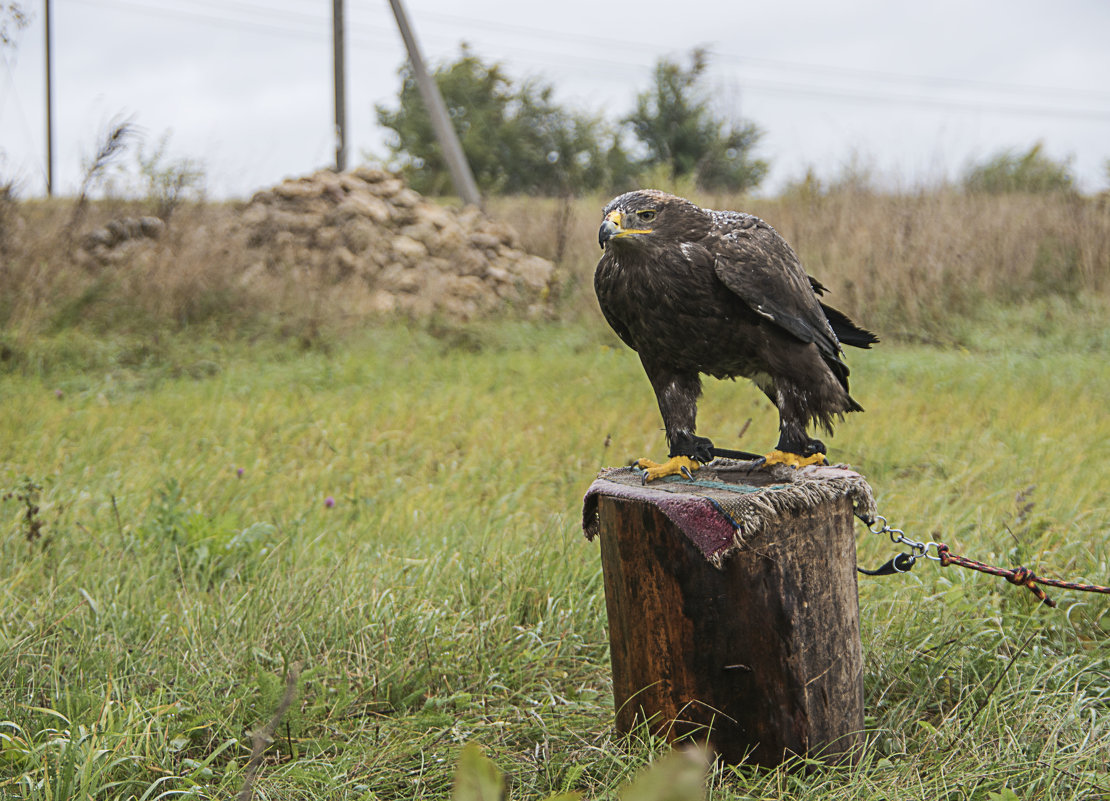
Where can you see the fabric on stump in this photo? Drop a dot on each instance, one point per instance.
(729, 502)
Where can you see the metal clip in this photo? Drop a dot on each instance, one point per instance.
(918, 550)
(902, 563)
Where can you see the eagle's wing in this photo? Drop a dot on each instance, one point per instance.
(753, 261)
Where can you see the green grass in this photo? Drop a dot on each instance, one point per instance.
(447, 596)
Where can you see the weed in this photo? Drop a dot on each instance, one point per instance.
(169, 183)
(206, 548)
(28, 493)
(112, 144)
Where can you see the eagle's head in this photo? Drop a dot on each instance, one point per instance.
(650, 216)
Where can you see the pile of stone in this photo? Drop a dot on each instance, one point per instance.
(367, 230)
(102, 242)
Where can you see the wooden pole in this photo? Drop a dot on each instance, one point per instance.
(461, 175)
(49, 105)
(339, 79)
(761, 658)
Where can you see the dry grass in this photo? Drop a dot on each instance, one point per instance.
(917, 260)
(907, 265)
(189, 278)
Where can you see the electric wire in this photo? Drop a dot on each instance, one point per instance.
(628, 62)
(286, 21)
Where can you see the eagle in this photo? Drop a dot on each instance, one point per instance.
(696, 291)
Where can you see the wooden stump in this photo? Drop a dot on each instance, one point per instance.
(760, 658)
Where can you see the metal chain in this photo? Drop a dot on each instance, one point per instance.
(1021, 575)
(918, 550)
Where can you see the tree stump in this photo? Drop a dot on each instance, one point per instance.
(756, 653)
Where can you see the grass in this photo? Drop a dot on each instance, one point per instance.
(189, 560)
(910, 265)
(209, 490)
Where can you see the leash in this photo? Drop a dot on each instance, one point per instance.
(1020, 576)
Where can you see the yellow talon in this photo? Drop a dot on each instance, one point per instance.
(793, 459)
(675, 466)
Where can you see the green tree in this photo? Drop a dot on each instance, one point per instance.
(678, 126)
(515, 136)
(1010, 171)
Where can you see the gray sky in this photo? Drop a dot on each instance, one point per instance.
(915, 90)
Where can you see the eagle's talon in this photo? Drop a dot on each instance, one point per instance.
(676, 465)
(793, 460)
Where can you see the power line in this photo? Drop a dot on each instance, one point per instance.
(926, 80)
(295, 29)
(628, 62)
(865, 95)
(795, 66)
(918, 100)
(284, 21)
(876, 96)
(250, 16)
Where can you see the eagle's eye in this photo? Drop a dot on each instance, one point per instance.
(646, 216)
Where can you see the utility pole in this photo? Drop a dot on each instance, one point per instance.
(340, 68)
(461, 176)
(49, 112)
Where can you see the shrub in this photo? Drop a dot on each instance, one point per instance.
(1010, 171)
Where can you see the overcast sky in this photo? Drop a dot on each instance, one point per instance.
(244, 87)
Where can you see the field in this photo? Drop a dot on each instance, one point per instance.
(388, 513)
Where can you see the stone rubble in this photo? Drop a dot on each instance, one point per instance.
(115, 232)
(411, 256)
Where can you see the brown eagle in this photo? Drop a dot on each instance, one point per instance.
(696, 291)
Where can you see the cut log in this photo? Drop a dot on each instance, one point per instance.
(759, 657)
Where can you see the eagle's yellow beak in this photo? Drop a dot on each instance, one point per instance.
(613, 228)
(610, 228)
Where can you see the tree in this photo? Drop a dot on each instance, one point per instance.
(678, 126)
(1010, 171)
(516, 138)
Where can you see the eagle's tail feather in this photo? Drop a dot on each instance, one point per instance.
(846, 331)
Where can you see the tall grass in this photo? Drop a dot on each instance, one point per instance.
(235, 484)
(910, 266)
(189, 559)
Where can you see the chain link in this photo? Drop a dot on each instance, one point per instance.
(918, 550)
(939, 552)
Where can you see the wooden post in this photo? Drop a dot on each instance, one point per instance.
(339, 83)
(49, 106)
(461, 175)
(761, 657)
